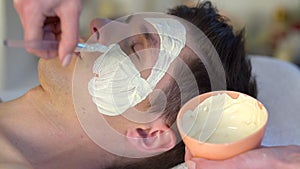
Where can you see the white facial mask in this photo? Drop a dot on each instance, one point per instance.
(118, 85)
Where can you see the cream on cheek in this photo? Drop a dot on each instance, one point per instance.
(118, 85)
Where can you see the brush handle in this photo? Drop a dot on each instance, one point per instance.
(39, 45)
(53, 45)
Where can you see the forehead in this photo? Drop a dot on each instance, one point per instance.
(139, 22)
(140, 17)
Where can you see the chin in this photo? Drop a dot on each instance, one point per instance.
(53, 76)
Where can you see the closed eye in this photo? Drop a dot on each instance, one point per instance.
(135, 48)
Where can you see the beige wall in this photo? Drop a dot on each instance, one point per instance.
(2, 30)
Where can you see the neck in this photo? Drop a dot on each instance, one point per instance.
(47, 133)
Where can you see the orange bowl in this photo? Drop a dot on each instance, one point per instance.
(221, 124)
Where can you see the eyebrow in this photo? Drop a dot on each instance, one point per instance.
(149, 35)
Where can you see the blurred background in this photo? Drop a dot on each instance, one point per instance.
(272, 29)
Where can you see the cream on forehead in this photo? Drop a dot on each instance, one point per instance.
(172, 37)
(118, 85)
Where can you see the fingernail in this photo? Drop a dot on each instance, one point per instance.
(67, 60)
(190, 164)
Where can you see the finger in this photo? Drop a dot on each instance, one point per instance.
(32, 19)
(70, 29)
(200, 163)
(33, 23)
(187, 155)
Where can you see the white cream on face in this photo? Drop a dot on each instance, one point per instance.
(240, 118)
(118, 85)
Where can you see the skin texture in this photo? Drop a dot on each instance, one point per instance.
(287, 157)
(51, 20)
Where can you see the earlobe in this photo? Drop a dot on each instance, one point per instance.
(158, 138)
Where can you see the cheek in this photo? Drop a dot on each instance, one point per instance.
(118, 123)
(147, 59)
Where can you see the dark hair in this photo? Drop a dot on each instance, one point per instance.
(231, 50)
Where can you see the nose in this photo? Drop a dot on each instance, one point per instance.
(97, 23)
(108, 31)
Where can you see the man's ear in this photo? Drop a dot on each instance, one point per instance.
(153, 137)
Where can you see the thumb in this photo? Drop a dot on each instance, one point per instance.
(200, 163)
(70, 29)
(187, 155)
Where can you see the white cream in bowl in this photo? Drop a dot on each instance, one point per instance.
(224, 119)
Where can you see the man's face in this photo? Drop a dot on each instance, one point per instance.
(140, 42)
(133, 34)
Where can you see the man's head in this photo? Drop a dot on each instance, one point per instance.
(230, 48)
(144, 129)
(132, 83)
